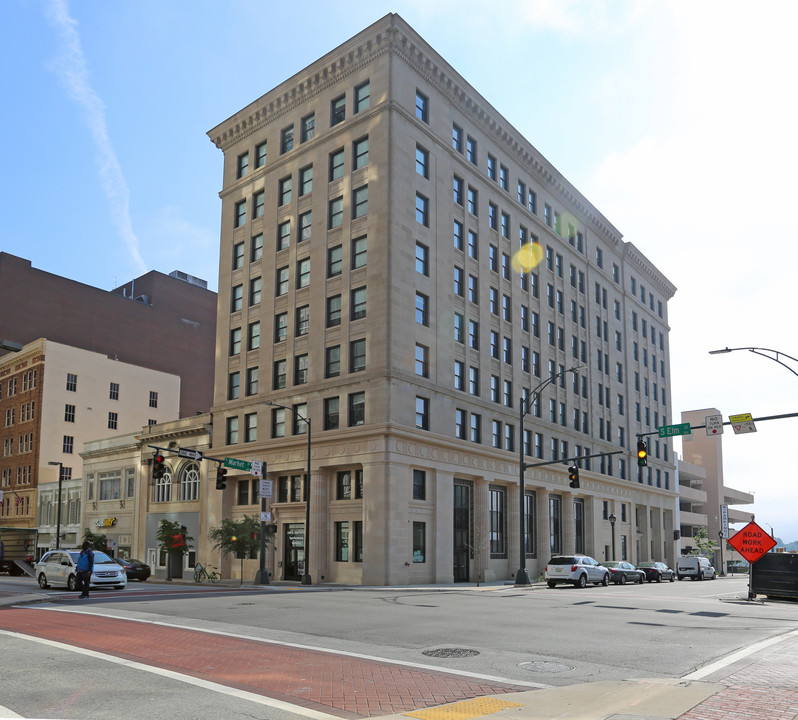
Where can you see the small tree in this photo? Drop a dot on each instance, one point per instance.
(239, 537)
(175, 541)
(97, 541)
(704, 544)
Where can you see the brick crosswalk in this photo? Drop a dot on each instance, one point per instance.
(341, 685)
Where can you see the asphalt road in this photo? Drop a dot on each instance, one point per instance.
(554, 637)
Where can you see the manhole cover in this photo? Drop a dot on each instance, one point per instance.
(450, 653)
(545, 667)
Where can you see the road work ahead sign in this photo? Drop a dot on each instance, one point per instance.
(752, 542)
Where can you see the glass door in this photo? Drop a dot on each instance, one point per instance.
(462, 531)
(294, 551)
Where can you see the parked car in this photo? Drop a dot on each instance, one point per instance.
(656, 571)
(578, 570)
(623, 572)
(695, 567)
(135, 569)
(59, 567)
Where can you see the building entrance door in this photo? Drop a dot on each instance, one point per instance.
(462, 530)
(294, 551)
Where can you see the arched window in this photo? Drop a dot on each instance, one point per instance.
(189, 481)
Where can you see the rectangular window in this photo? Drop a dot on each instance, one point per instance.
(333, 311)
(284, 190)
(422, 210)
(342, 541)
(357, 355)
(257, 248)
(113, 392)
(303, 273)
(279, 373)
(362, 97)
(419, 542)
(242, 165)
(280, 327)
(331, 413)
(422, 259)
(283, 239)
(457, 137)
(332, 361)
(304, 226)
(258, 200)
(336, 164)
(357, 409)
(335, 261)
(251, 427)
(307, 128)
(252, 381)
(497, 518)
(71, 383)
(422, 361)
(422, 161)
(358, 303)
(360, 153)
(422, 413)
(302, 320)
(459, 235)
(471, 150)
(68, 445)
(335, 214)
(235, 341)
(260, 155)
(286, 139)
(238, 256)
(360, 201)
(338, 110)
(305, 180)
(422, 106)
(422, 309)
(153, 399)
(301, 369)
(473, 201)
(255, 285)
(359, 255)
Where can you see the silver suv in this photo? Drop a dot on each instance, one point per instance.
(579, 570)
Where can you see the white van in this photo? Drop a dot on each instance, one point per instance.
(695, 567)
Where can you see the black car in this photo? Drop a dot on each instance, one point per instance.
(656, 571)
(135, 569)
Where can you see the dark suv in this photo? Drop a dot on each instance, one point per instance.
(578, 570)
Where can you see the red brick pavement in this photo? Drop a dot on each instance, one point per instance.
(764, 686)
(336, 684)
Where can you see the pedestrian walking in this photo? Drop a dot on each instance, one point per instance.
(84, 568)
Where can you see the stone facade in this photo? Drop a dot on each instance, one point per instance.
(373, 209)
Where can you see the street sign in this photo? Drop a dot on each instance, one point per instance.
(752, 542)
(714, 424)
(724, 520)
(671, 430)
(235, 464)
(265, 517)
(265, 489)
(742, 423)
(257, 468)
(190, 454)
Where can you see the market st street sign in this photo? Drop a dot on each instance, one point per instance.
(752, 542)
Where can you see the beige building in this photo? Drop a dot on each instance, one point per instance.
(55, 398)
(702, 491)
(378, 216)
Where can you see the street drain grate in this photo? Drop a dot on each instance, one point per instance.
(545, 667)
(450, 653)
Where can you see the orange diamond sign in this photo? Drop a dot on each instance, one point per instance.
(752, 542)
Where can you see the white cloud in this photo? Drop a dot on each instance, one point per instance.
(72, 70)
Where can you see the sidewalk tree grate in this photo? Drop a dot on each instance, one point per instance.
(450, 653)
(545, 667)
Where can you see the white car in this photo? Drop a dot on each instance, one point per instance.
(577, 570)
(59, 567)
(695, 567)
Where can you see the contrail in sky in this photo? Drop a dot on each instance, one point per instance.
(71, 69)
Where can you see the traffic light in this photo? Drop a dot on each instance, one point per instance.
(220, 478)
(573, 476)
(642, 453)
(158, 467)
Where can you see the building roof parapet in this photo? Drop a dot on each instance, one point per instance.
(635, 257)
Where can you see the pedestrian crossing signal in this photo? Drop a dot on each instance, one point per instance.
(642, 453)
(573, 476)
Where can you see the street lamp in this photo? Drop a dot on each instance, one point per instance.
(612, 520)
(762, 352)
(306, 580)
(58, 514)
(527, 399)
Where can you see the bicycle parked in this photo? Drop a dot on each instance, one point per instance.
(201, 572)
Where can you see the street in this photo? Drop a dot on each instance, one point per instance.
(509, 639)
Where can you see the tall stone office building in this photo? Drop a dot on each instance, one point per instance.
(373, 206)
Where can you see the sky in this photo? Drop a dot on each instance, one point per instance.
(675, 119)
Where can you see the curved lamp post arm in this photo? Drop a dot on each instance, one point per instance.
(761, 351)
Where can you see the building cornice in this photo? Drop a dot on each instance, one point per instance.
(636, 259)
